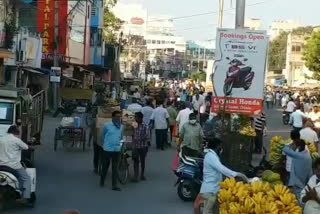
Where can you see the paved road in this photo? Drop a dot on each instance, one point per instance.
(66, 180)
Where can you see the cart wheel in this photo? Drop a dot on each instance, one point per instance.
(123, 169)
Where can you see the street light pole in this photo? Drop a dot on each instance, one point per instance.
(221, 6)
(240, 13)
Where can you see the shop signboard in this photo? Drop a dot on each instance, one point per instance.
(239, 71)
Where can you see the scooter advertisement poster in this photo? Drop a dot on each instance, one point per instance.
(239, 71)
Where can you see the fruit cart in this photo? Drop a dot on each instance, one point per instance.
(70, 137)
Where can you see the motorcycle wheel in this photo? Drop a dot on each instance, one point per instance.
(227, 89)
(186, 191)
(285, 120)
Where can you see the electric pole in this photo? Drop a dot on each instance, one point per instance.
(240, 13)
(221, 7)
(56, 53)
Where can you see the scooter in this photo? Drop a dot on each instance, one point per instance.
(10, 190)
(237, 76)
(190, 177)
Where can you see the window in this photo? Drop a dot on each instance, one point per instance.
(173, 42)
(148, 41)
(93, 11)
(153, 41)
(158, 42)
(296, 48)
(6, 113)
(163, 42)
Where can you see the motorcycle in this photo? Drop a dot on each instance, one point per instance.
(190, 177)
(285, 117)
(10, 190)
(237, 76)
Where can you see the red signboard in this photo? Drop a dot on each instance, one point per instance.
(46, 25)
(237, 105)
(137, 21)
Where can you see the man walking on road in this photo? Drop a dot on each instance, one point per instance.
(160, 121)
(111, 136)
(140, 147)
(296, 120)
(183, 115)
(191, 137)
(259, 125)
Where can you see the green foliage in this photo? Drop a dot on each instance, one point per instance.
(277, 52)
(198, 76)
(312, 54)
(303, 30)
(112, 24)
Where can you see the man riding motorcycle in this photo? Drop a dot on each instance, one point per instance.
(10, 156)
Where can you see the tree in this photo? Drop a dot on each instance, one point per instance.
(112, 24)
(277, 52)
(198, 76)
(312, 54)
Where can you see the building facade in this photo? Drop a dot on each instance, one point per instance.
(296, 72)
(253, 24)
(277, 27)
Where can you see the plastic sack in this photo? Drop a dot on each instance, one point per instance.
(33, 176)
(175, 162)
(67, 122)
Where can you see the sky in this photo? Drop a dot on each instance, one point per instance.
(204, 27)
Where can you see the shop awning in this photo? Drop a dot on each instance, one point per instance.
(72, 79)
(32, 71)
(4, 53)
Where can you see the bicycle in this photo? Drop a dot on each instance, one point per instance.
(123, 167)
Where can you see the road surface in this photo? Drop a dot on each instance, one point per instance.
(65, 180)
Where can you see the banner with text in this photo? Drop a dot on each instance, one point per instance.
(239, 74)
(46, 25)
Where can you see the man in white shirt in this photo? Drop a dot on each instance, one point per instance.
(147, 112)
(124, 97)
(269, 100)
(197, 101)
(291, 106)
(314, 115)
(296, 119)
(10, 155)
(310, 195)
(136, 94)
(278, 98)
(160, 121)
(183, 115)
(213, 172)
(284, 100)
(134, 107)
(309, 134)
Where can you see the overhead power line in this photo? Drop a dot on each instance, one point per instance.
(206, 13)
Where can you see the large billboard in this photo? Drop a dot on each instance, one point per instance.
(46, 25)
(239, 74)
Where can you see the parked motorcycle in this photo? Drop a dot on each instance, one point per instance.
(238, 76)
(10, 188)
(190, 177)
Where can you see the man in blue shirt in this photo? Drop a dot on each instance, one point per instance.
(111, 137)
(213, 172)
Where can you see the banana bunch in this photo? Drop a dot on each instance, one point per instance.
(285, 201)
(256, 198)
(312, 148)
(248, 131)
(277, 145)
(315, 156)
